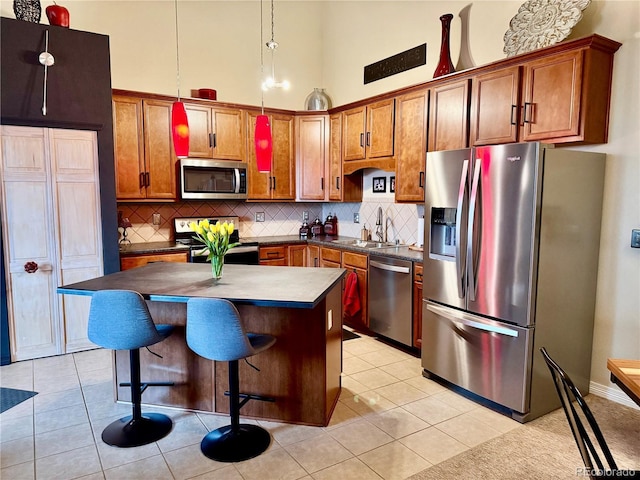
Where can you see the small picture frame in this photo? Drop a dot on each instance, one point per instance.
(379, 184)
(392, 184)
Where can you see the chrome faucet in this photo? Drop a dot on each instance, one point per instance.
(379, 228)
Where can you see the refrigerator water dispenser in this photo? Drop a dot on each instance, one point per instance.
(442, 240)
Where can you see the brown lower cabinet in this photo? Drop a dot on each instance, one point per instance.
(358, 264)
(274, 255)
(313, 256)
(330, 257)
(417, 305)
(298, 255)
(133, 261)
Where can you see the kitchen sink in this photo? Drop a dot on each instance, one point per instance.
(364, 243)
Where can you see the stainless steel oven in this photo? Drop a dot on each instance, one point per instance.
(244, 254)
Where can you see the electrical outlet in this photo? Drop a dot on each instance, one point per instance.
(356, 217)
(635, 238)
(305, 216)
(156, 219)
(259, 216)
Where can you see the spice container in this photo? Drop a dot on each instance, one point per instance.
(304, 230)
(329, 226)
(317, 228)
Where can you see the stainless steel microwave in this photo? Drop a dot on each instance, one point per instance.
(203, 179)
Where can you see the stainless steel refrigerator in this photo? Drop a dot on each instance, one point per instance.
(511, 254)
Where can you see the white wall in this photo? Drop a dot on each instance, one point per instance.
(327, 44)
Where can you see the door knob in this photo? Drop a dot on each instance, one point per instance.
(30, 267)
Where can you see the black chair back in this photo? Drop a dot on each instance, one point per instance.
(569, 394)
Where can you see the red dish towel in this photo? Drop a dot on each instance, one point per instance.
(351, 297)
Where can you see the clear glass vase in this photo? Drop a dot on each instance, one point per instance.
(217, 264)
(317, 100)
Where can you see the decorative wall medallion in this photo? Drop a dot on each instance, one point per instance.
(540, 23)
(27, 10)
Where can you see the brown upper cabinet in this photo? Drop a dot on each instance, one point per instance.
(319, 161)
(342, 188)
(368, 131)
(559, 98)
(496, 106)
(449, 115)
(216, 132)
(279, 183)
(144, 159)
(312, 153)
(411, 145)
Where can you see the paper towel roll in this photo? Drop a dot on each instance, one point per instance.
(420, 232)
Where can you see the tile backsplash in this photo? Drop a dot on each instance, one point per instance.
(399, 220)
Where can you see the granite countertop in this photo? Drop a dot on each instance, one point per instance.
(265, 286)
(402, 252)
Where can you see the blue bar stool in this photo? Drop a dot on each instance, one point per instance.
(215, 332)
(120, 320)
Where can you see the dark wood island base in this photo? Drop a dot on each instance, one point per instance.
(301, 371)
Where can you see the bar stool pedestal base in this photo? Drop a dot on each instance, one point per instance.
(127, 432)
(228, 445)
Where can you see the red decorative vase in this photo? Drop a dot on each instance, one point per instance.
(445, 65)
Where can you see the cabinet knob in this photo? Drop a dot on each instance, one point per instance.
(31, 267)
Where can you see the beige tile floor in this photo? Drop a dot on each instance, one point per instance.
(389, 423)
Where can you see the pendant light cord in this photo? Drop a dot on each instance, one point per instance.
(261, 62)
(177, 52)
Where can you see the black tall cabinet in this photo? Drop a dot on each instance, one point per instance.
(78, 97)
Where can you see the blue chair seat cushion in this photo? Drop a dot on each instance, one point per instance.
(120, 320)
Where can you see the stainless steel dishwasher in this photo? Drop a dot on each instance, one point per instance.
(390, 298)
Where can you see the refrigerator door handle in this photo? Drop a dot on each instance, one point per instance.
(471, 271)
(468, 320)
(462, 194)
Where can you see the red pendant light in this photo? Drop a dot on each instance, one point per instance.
(180, 130)
(264, 143)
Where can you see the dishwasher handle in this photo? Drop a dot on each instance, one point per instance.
(389, 268)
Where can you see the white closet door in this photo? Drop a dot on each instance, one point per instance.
(51, 217)
(28, 229)
(74, 166)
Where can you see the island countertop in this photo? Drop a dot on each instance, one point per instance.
(259, 285)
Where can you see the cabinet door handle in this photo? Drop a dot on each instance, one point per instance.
(362, 139)
(270, 182)
(31, 267)
(147, 181)
(421, 180)
(337, 183)
(322, 183)
(214, 141)
(368, 139)
(514, 113)
(527, 108)
(141, 180)
(274, 182)
(211, 140)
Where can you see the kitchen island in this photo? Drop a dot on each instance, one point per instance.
(301, 307)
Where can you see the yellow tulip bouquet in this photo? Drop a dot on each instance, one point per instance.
(215, 237)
